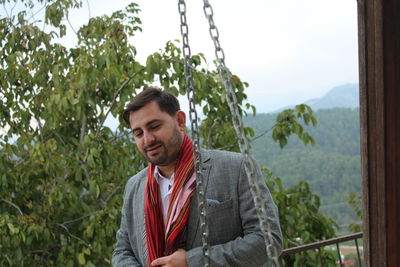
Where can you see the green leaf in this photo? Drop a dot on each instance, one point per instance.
(86, 251)
(81, 258)
(11, 227)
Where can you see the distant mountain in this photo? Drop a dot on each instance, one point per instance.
(343, 96)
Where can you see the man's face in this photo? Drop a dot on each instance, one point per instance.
(157, 134)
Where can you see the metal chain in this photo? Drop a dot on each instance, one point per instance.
(243, 144)
(195, 133)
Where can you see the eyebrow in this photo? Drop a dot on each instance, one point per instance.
(147, 124)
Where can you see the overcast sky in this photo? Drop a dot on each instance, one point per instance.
(287, 50)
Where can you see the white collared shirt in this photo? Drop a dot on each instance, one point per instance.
(165, 186)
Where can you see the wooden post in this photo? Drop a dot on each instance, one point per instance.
(379, 58)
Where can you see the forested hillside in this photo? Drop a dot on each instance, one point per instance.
(332, 167)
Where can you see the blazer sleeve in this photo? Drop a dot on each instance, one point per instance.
(123, 255)
(248, 249)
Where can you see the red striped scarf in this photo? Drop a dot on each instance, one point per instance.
(162, 241)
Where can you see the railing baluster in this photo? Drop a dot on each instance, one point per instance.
(358, 253)
(320, 257)
(338, 251)
(302, 258)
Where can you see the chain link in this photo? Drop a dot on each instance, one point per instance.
(243, 144)
(195, 133)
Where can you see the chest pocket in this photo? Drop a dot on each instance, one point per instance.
(222, 222)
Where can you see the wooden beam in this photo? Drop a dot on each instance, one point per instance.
(379, 63)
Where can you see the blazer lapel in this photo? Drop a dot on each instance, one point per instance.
(140, 229)
(194, 219)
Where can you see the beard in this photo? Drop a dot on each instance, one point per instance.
(168, 150)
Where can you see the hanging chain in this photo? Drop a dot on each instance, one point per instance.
(243, 144)
(195, 133)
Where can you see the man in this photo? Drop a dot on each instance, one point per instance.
(160, 216)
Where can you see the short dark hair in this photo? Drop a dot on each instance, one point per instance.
(166, 101)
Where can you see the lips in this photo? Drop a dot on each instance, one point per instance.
(153, 149)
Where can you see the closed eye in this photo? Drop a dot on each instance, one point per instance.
(153, 127)
(137, 133)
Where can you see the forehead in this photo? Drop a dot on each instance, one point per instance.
(148, 113)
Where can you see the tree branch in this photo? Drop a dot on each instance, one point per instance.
(12, 9)
(38, 11)
(294, 243)
(71, 235)
(115, 99)
(83, 131)
(85, 168)
(12, 204)
(80, 218)
(264, 133)
(94, 212)
(40, 129)
(40, 251)
(69, 22)
(44, 21)
(193, 68)
(226, 147)
(118, 91)
(255, 138)
(112, 193)
(58, 137)
(209, 133)
(5, 9)
(90, 14)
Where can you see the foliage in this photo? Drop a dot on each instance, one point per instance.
(62, 171)
(287, 124)
(301, 221)
(355, 203)
(332, 166)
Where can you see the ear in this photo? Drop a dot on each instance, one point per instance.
(180, 117)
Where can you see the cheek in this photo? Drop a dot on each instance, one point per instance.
(139, 145)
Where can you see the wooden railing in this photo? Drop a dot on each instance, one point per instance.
(334, 241)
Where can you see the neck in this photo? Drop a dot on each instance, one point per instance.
(167, 171)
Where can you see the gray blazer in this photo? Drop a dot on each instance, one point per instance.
(234, 232)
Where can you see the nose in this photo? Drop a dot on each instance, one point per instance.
(148, 138)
